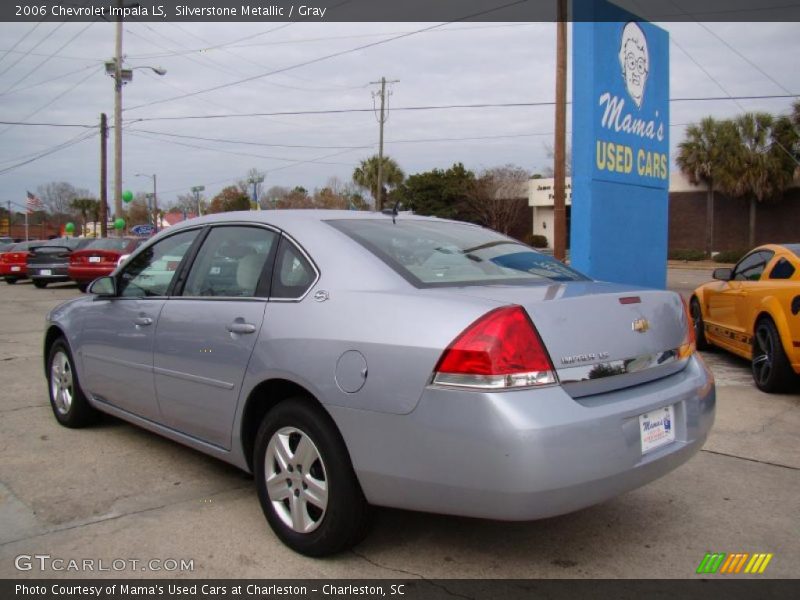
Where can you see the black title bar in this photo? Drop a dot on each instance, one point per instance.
(274, 11)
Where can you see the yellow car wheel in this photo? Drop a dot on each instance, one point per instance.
(771, 369)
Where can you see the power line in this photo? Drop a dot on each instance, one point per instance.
(250, 143)
(37, 67)
(233, 152)
(62, 94)
(32, 48)
(50, 80)
(437, 107)
(20, 40)
(81, 138)
(323, 58)
(47, 124)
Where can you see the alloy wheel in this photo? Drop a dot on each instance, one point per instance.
(296, 479)
(61, 382)
(763, 355)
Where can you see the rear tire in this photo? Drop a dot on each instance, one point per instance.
(11, 280)
(39, 283)
(317, 508)
(70, 406)
(772, 371)
(83, 287)
(696, 313)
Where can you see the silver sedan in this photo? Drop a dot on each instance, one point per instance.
(353, 359)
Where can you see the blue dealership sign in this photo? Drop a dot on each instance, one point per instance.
(620, 145)
(143, 230)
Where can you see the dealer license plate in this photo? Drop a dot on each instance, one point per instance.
(94, 259)
(15, 269)
(45, 272)
(657, 428)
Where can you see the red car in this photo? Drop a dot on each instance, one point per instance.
(13, 262)
(99, 258)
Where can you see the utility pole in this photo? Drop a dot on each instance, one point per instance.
(118, 116)
(559, 166)
(103, 176)
(196, 191)
(155, 205)
(381, 120)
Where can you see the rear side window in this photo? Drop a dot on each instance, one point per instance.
(446, 254)
(783, 269)
(230, 262)
(293, 274)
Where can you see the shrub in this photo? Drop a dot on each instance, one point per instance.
(536, 241)
(686, 255)
(729, 256)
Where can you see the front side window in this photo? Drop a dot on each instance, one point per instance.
(752, 266)
(445, 254)
(230, 262)
(151, 272)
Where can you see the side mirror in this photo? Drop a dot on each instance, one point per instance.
(103, 287)
(723, 274)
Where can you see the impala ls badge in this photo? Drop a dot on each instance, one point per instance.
(640, 325)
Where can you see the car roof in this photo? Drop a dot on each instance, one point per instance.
(290, 217)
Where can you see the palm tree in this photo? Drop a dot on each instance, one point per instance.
(87, 206)
(761, 163)
(700, 158)
(366, 176)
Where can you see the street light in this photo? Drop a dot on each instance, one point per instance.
(256, 180)
(154, 209)
(196, 191)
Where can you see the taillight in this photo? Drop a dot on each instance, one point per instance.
(689, 343)
(500, 350)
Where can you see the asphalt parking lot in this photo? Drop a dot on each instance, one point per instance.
(117, 492)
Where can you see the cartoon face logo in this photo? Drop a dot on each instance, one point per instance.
(634, 60)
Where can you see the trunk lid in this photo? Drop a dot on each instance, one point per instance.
(600, 336)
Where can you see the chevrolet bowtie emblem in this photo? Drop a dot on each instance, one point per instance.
(640, 325)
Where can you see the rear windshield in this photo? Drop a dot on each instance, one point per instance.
(108, 244)
(446, 254)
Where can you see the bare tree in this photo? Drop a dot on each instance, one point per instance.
(495, 197)
(187, 203)
(58, 196)
(547, 170)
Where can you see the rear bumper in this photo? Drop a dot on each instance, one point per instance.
(57, 272)
(13, 271)
(88, 274)
(523, 455)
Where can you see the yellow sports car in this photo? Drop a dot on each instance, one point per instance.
(753, 310)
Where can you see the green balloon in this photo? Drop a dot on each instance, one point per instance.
(127, 196)
(69, 227)
(119, 224)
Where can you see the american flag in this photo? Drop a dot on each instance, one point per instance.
(33, 204)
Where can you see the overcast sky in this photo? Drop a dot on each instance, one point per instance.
(56, 75)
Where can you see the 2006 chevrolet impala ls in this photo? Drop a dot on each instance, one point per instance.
(354, 359)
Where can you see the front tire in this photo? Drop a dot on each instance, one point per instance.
(40, 283)
(696, 313)
(70, 406)
(306, 484)
(771, 369)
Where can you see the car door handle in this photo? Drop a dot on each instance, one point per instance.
(241, 327)
(142, 321)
